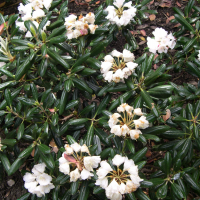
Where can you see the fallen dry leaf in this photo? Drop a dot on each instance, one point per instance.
(178, 4)
(166, 3)
(167, 116)
(142, 42)
(169, 19)
(2, 4)
(155, 56)
(98, 2)
(142, 38)
(152, 17)
(2, 12)
(142, 26)
(148, 154)
(151, 2)
(134, 32)
(33, 153)
(143, 32)
(155, 66)
(87, 1)
(177, 25)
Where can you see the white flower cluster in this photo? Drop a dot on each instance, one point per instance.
(162, 41)
(199, 56)
(77, 28)
(33, 11)
(84, 164)
(38, 182)
(118, 182)
(116, 69)
(121, 13)
(122, 124)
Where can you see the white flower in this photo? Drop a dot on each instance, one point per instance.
(74, 175)
(131, 65)
(47, 3)
(102, 182)
(38, 169)
(134, 134)
(118, 160)
(38, 14)
(113, 189)
(128, 56)
(136, 180)
(90, 18)
(76, 147)
(138, 111)
(152, 44)
(124, 130)
(128, 108)
(126, 72)
(118, 75)
(103, 170)
(85, 149)
(159, 33)
(93, 28)
(28, 34)
(122, 107)
(141, 123)
(108, 58)
(199, 56)
(113, 119)
(69, 150)
(109, 76)
(64, 165)
(85, 174)
(47, 188)
(39, 191)
(119, 3)
(21, 26)
(127, 164)
(91, 162)
(116, 129)
(28, 177)
(130, 187)
(44, 179)
(116, 53)
(122, 188)
(133, 170)
(30, 186)
(105, 67)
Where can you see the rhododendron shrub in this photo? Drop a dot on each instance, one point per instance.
(79, 122)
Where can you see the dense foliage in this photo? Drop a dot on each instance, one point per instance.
(77, 121)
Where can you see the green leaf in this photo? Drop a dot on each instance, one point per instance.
(55, 56)
(162, 191)
(68, 85)
(98, 48)
(140, 194)
(26, 152)
(84, 191)
(71, 104)
(167, 163)
(90, 135)
(131, 196)
(34, 91)
(103, 104)
(81, 60)
(81, 84)
(70, 139)
(8, 97)
(44, 148)
(152, 137)
(183, 22)
(48, 160)
(23, 68)
(3, 85)
(148, 100)
(93, 63)
(104, 89)
(156, 129)
(63, 102)
(130, 146)
(193, 68)
(79, 121)
(15, 166)
(5, 162)
(74, 187)
(25, 196)
(177, 190)
(20, 131)
(188, 178)
(58, 39)
(139, 155)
